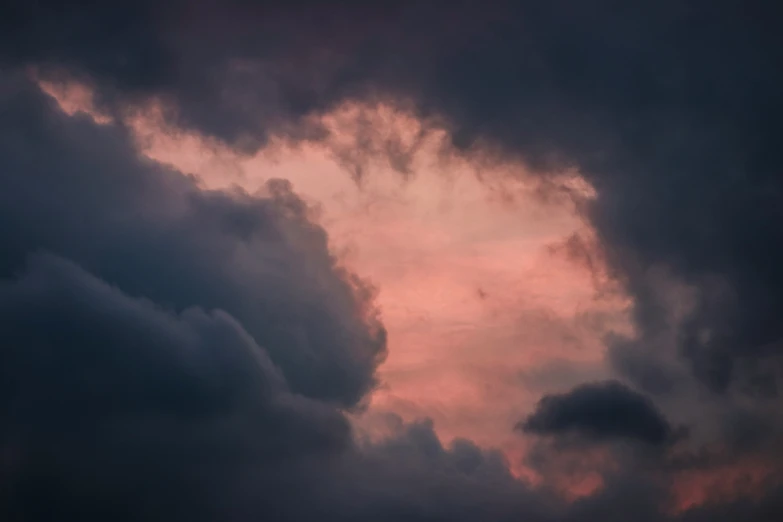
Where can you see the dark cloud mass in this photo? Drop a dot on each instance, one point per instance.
(113, 397)
(155, 234)
(604, 410)
(174, 353)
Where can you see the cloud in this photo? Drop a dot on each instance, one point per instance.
(113, 397)
(151, 231)
(602, 411)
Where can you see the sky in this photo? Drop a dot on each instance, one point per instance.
(416, 261)
(481, 304)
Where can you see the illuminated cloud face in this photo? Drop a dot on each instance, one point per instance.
(417, 262)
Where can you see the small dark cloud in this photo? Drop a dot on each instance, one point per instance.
(602, 411)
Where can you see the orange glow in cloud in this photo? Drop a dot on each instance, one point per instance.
(726, 483)
(482, 316)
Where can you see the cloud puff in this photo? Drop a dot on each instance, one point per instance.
(603, 411)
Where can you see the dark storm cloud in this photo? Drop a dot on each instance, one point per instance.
(670, 108)
(602, 411)
(138, 409)
(148, 356)
(80, 191)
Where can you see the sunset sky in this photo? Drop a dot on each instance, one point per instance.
(513, 261)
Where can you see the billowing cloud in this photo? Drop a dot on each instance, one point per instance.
(155, 234)
(110, 398)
